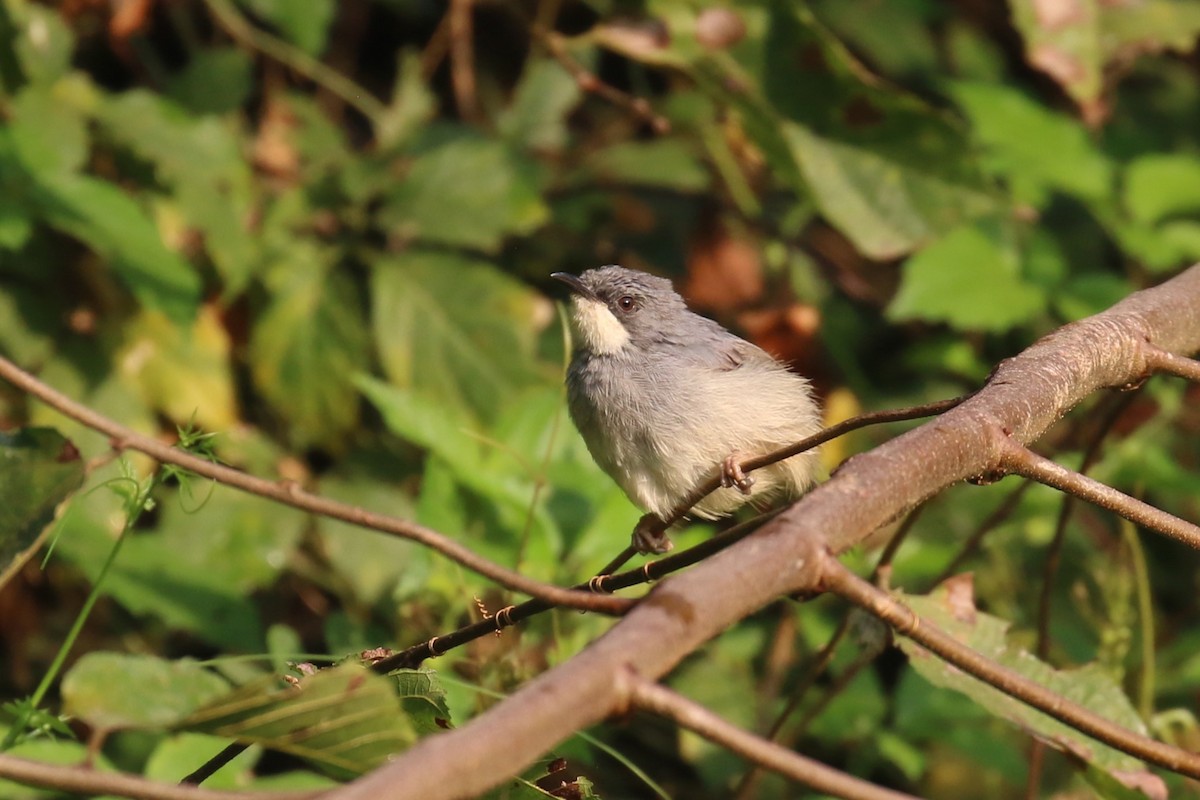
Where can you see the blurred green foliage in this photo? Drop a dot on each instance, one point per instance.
(324, 231)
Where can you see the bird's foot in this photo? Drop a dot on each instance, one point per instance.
(732, 475)
(649, 536)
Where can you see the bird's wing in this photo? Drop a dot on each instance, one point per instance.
(719, 349)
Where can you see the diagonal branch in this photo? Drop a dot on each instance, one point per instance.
(650, 696)
(93, 782)
(1161, 360)
(1026, 395)
(290, 494)
(1024, 461)
(846, 584)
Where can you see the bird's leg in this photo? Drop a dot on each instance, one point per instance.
(649, 537)
(732, 475)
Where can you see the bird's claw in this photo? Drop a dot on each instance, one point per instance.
(650, 538)
(732, 475)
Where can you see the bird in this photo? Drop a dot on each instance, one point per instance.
(666, 399)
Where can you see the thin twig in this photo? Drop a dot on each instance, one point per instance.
(1054, 551)
(93, 782)
(1161, 360)
(841, 581)
(290, 494)
(650, 696)
(1001, 513)
(1023, 461)
(603, 583)
(462, 59)
(228, 17)
(588, 81)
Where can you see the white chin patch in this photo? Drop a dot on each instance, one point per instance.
(602, 332)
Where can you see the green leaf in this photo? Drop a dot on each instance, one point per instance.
(307, 344)
(200, 159)
(1162, 184)
(1075, 42)
(371, 565)
(345, 719)
(178, 755)
(118, 690)
(1088, 686)
(186, 373)
(44, 43)
(663, 163)
(1032, 147)
(233, 538)
(304, 22)
(423, 700)
(886, 203)
(536, 119)
(216, 80)
(889, 171)
(494, 470)
(107, 220)
(47, 131)
(968, 280)
(39, 469)
(151, 579)
(455, 329)
(467, 191)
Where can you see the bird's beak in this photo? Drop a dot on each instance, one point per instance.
(575, 285)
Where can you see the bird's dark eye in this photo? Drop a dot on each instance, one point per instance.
(627, 303)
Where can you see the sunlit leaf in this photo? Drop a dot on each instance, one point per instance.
(347, 719)
(890, 172)
(120, 690)
(536, 119)
(455, 329)
(466, 191)
(969, 280)
(1091, 687)
(306, 346)
(184, 374)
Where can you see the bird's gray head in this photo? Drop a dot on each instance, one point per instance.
(612, 307)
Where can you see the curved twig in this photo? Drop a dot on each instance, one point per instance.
(291, 494)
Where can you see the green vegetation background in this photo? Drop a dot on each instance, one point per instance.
(324, 231)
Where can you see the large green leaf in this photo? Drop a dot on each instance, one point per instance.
(1075, 42)
(536, 119)
(200, 159)
(1032, 147)
(39, 469)
(453, 328)
(467, 191)
(890, 172)
(307, 344)
(153, 578)
(120, 690)
(969, 280)
(951, 608)
(346, 719)
(105, 218)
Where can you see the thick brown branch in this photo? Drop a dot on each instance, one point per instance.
(841, 581)
(1024, 461)
(650, 696)
(92, 782)
(292, 495)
